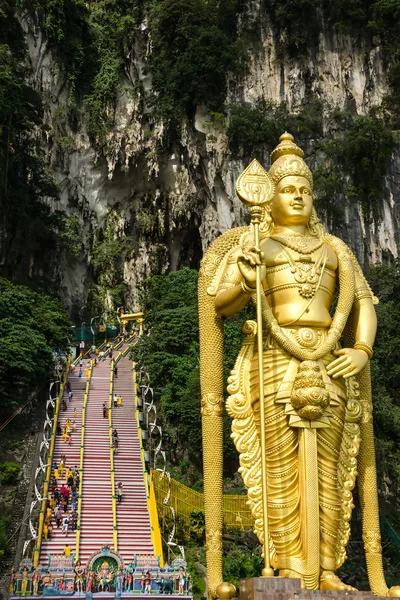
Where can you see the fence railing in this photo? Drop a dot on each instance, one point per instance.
(186, 501)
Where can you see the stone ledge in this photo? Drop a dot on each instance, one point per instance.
(280, 588)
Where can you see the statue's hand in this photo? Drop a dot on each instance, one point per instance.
(247, 265)
(349, 363)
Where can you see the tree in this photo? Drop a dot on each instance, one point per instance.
(32, 327)
(170, 354)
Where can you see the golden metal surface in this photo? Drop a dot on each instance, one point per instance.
(255, 188)
(301, 405)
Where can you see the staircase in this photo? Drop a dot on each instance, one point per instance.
(56, 545)
(134, 531)
(96, 516)
(96, 512)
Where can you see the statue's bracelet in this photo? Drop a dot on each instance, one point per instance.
(246, 288)
(364, 346)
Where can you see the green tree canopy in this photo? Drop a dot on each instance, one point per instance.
(170, 354)
(32, 327)
(385, 281)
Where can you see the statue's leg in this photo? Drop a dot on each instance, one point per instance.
(329, 442)
(282, 467)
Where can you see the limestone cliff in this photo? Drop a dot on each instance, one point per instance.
(169, 204)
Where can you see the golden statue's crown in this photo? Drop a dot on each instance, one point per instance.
(287, 159)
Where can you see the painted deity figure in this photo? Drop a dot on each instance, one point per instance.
(104, 577)
(90, 581)
(317, 398)
(181, 581)
(24, 580)
(35, 581)
(79, 571)
(118, 581)
(129, 577)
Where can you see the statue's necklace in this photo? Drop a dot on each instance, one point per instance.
(305, 272)
(299, 243)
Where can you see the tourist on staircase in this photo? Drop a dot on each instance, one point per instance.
(119, 492)
(58, 516)
(65, 524)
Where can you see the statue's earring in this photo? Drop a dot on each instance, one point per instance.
(266, 222)
(314, 197)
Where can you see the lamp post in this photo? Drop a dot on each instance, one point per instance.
(119, 309)
(82, 342)
(105, 326)
(92, 328)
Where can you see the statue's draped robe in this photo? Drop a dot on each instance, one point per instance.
(287, 525)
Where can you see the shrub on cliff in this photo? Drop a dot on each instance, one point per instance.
(32, 326)
(9, 472)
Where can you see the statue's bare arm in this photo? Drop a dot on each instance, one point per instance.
(240, 282)
(351, 361)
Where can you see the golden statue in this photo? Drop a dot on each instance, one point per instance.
(302, 446)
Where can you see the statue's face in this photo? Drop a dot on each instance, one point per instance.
(292, 202)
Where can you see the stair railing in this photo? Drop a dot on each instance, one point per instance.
(85, 399)
(49, 466)
(148, 482)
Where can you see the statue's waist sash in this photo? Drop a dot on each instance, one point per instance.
(306, 337)
(303, 387)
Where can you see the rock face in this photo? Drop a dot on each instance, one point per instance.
(172, 204)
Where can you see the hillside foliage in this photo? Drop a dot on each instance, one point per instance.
(32, 326)
(170, 354)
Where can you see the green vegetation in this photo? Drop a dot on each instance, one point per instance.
(92, 41)
(32, 326)
(9, 472)
(5, 521)
(363, 153)
(109, 248)
(28, 225)
(241, 562)
(254, 130)
(113, 26)
(70, 236)
(385, 281)
(194, 46)
(170, 355)
(297, 23)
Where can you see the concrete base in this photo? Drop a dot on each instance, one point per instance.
(280, 588)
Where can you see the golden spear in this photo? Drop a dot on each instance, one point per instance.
(256, 189)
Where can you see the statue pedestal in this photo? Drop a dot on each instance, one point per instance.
(279, 588)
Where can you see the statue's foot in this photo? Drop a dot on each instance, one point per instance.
(292, 574)
(330, 581)
(394, 591)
